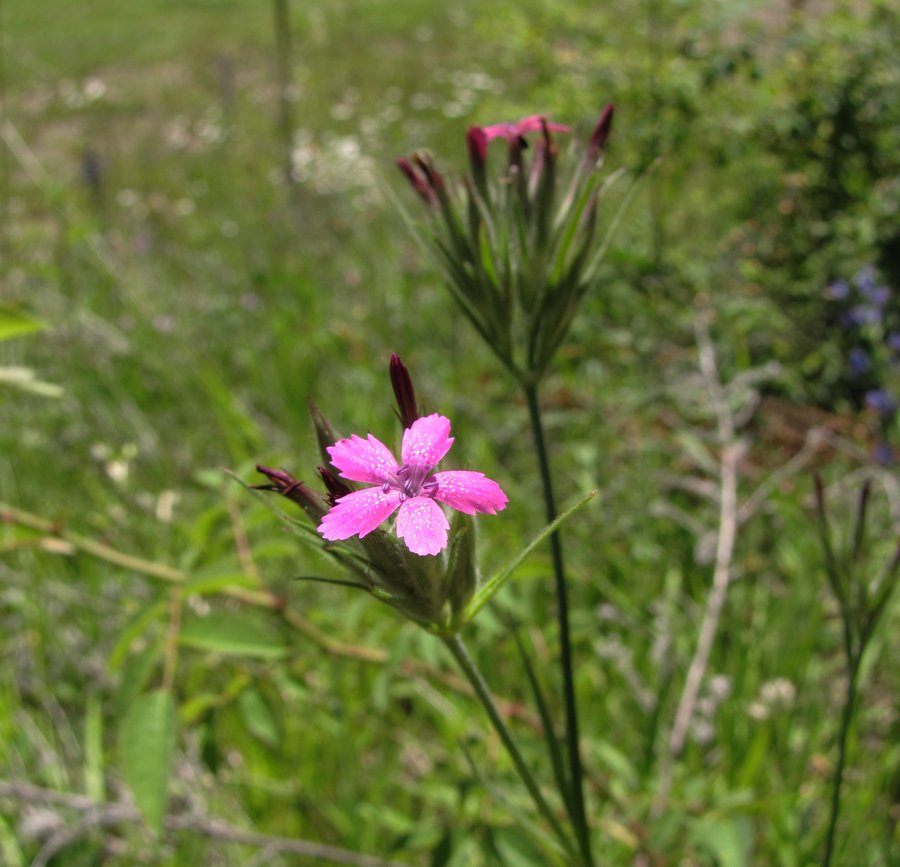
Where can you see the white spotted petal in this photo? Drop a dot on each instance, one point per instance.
(410, 487)
(359, 513)
(470, 492)
(363, 460)
(427, 441)
(422, 525)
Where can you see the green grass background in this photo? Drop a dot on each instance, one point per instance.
(194, 300)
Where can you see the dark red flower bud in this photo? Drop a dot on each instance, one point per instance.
(417, 180)
(601, 132)
(403, 391)
(335, 487)
(477, 144)
(284, 483)
(432, 176)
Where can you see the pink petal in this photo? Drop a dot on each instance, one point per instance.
(532, 123)
(499, 130)
(358, 513)
(427, 441)
(363, 460)
(470, 492)
(422, 525)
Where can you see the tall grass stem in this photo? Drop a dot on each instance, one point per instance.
(283, 55)
(579, 816)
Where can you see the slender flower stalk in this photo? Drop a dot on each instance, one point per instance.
(837, 783)
(861, 603)
(461, 654)
(573, 741)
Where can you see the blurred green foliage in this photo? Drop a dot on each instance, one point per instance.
(195, 298)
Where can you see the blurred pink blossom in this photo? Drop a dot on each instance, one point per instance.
(532, 123)
(411, 487)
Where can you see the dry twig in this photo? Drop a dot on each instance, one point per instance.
(93, 814)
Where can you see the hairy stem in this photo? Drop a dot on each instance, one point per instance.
(579, 816)
(482, 691)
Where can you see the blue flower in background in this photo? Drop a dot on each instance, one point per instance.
(880, 296)
(859, 361)
(883, 454)
(881, 401)
(864, 314)
(865, 280)
(870, 343)
(838, 290)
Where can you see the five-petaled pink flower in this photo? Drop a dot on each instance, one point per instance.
(532, 123)
(411, 487)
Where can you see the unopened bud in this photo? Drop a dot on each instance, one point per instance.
(417, 180)
(477, 145)
(601, 132)
(403, 391)
(335, 487)
(284, 483)
(433, 177)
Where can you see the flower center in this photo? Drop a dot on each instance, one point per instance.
(411, 480)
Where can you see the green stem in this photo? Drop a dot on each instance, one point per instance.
(846, 718)
(482, 690)
(579, 817)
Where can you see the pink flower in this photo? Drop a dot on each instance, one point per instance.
(513, 131)
(411, 487)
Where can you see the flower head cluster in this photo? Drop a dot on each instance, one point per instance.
(411, 488)
(517, 244)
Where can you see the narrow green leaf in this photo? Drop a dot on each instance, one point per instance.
(137, 671)
(94, 786)
(302, 529)
(259, 718)
(10, 852)
(217, 579)
(832, 570)
(554, 748)
(135, 627)
(14, 323)
(146, 745)
(233, 634)
(728, 839)
(500, 578)
(516, 849)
